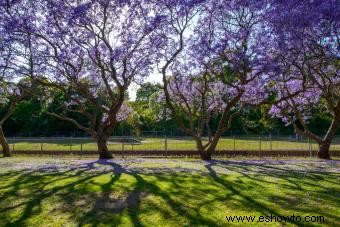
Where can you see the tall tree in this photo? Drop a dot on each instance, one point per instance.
(9, 97)
(92, 51)
(218, 69)
(307, 49)
(15, 63)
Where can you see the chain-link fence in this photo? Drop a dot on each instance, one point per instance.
(164, 145)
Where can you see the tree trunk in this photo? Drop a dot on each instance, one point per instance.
(324, 146)
(323, 152)
(5, 147)
(206, 156)
(211, 149)
(102, 148)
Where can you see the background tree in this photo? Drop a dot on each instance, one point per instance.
(145, 91)
(146, 116)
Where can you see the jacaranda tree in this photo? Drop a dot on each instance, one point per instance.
(215, 58)
(9, 97)
(92, 51)
(218, 68)
(16, 64)
(306, 46)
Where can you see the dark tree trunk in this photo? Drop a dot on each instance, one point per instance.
(5, 147)
(324, 146)
(323, 152)
(102, 148)
(211, 149)
(205, 155)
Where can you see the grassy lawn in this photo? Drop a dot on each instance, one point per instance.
(165, 192)
(159, 144)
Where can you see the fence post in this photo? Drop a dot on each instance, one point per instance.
(260, 143)
(309, 147)
(13, 144)
(123, 146)
(41, 145)
(133, 143)
(81, 149)
(166, 144)
(71, 145)
(234, 145)
(270, 142)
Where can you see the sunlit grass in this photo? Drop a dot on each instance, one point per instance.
(204, 197)
(87, 144)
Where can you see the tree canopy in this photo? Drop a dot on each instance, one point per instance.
(219, 61)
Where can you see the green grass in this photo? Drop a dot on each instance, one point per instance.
(159, 144)
(148, 192)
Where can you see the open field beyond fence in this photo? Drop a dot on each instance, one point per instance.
(170, 146)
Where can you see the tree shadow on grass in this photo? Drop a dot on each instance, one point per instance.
(297, 182)
(247, 201)
(35, 184)
(132, 201)
(29, 190)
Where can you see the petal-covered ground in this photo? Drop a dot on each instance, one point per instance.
(166, 192)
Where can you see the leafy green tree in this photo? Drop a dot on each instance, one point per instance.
(146, 90)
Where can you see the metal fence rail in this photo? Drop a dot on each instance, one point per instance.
(163, 145)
